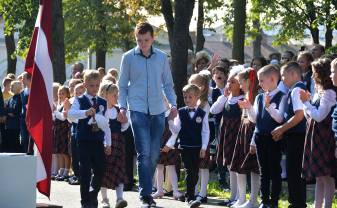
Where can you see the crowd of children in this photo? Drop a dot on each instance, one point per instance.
(241, 119)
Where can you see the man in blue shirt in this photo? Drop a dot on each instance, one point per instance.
(145, 78)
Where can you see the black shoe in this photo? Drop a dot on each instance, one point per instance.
(169, 193)
(146, 201)
(194, 203)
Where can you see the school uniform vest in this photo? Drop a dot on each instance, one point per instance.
(289, 112)
(231, 111)
(14, 106)
(265, 124)
(190, 132)
(216, 93)
(307, 80)
(115, 125)
(84, 131)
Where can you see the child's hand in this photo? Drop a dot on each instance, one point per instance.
(66, 104)
(165, 149)
(65, 114)
(226, 92)
(122, 119)
(215, 59)
(304, 95)
(244, 104)
(202, 153)
(171, 116)
(107, 150)
(266, 100)
(252, 150)
(277, 133)
(90, 112)
(173, 112)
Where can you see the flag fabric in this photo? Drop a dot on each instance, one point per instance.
(40, 101)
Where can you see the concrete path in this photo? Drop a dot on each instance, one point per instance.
(69, 197)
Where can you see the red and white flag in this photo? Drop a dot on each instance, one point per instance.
(39, 109)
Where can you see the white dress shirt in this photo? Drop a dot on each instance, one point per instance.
(219, 105)
(327, 101)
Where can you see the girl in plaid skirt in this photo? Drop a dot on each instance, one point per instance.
(231, 119)
(318, 158)
(115, 175)
(243, 162)
(62, 134)
(167, 160)
(202, 81)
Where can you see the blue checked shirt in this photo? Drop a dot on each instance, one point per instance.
(144, 80)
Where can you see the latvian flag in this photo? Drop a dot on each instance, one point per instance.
(39, 109)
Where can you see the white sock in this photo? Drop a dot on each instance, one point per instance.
(196, 190)
(104, 193)
(329, 189)
(204, 177)
(172, 175)
(255, 187)
(160, 178)
(65, 172)
(233, 185)
(54, 164)
(60, 172)
(119, 191)
(319, 192)
(242, 182)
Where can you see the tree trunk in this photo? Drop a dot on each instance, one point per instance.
(166, 10)
(183, 15)
(315, 35)
(258, 39)
(239, 30)
(11, 58)
(328, 37)
(58, 57)
(100, 58)
(200, 26)
(101, 42)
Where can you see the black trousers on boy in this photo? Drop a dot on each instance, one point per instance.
(296, 184)
(129, 158)
(75, 157)
(269, 157)
(191, 158)
(92, 162)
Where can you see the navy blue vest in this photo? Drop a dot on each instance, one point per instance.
(289, 112)
(307, 80)
(231, 111)
(14, 107)
(84, 131)
(265, 124)
(115, 126)
(216, 93)
(190, 132)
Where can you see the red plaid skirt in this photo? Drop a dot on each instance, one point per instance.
(242, 162)
(229, 131)
(170, 157)
(319, 150)
(61, 132)
(115, 163)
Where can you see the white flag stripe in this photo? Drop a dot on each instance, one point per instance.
(43, 61)
(38, 19)
(40, 168)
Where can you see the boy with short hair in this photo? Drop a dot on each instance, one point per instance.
(293, 132)
(90, 138)
(191, 124)
(267, 113)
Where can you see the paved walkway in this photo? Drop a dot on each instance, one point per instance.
(69, 197)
